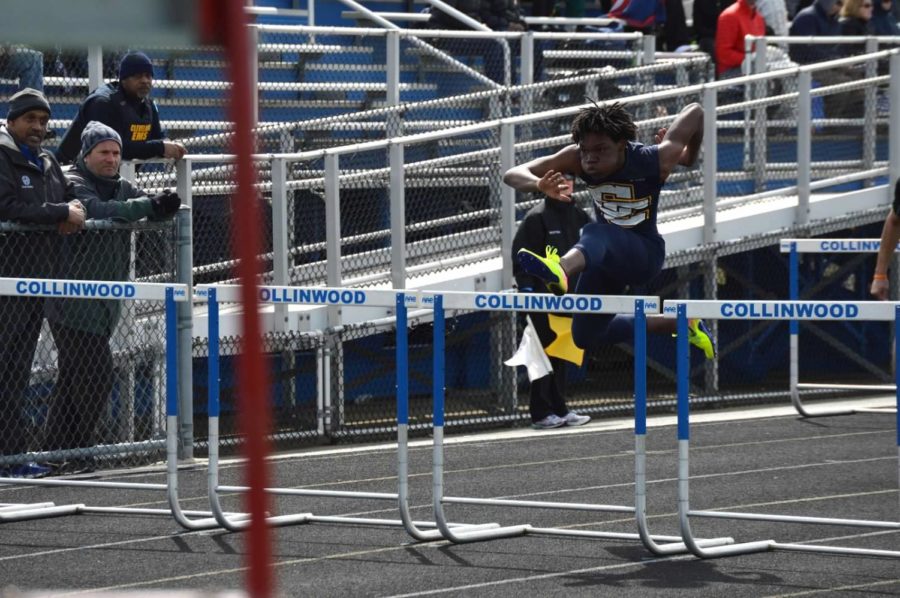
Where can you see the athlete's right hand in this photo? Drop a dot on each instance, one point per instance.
(879, 289)
(554, 184)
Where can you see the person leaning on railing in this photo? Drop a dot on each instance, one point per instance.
(126, 106)
(33, 190)
(82, 328)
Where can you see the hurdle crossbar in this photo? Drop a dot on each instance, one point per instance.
(794, 247)
(128, 291)
(763, 310)
(399, 300)
(575, 304)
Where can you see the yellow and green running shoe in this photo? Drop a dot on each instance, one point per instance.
(546, 268)
(701, 337)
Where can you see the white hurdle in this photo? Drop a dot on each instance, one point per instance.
(794, 247)
(639, 306)
(214, 294)
(127, 291)
(764, 310)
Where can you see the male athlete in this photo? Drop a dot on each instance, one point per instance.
(623, 247)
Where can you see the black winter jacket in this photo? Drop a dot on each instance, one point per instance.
(98, 255)
(29, 196)
(135, 120)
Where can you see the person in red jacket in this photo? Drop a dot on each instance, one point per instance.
(735, 22)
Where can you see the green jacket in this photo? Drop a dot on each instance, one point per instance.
(98, 254)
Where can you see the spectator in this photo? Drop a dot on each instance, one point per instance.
(499, 15)
(706, 20)
(33, 190)
(83, 327)
(23, 63)
(883, 20)
(817, 20)
(737, 21)
(124, 105)
(558, 224)
(856, 17)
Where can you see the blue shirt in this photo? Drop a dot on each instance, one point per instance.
(629, 197)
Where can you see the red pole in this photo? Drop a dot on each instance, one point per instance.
(253, 382)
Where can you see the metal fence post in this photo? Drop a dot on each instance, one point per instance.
(253, 59)
(760, 146)
(397, 194)
(95, 67)
(393, 121)
(280, 238)
(185, 311)
(868, 131)
(894, 119)
(804, 145)
(710, 163)
(333, 412)
(507, 202)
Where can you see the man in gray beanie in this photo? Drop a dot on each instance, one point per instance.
(84, 327)
(33, 191)
(126, 106)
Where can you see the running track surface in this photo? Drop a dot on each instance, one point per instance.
(762, 459)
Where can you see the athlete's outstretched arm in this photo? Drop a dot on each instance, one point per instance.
(682, 140)
(546, 174)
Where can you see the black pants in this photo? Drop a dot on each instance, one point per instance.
(82, 389)
(20, 328)
(548, 394)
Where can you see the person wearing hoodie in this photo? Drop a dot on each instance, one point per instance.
(126, 106)
(736, 21)
(820, 19)
(33, 190)
(557, 224)
(84, 327)
(883, 20)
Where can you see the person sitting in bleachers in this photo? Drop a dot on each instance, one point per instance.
(856, 16)
(738, 20)
(821, 20)
(883, 20)
(706, 21)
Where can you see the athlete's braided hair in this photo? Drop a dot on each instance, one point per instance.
(611, 120)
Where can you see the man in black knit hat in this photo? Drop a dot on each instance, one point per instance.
(33, 190)
(126, 106)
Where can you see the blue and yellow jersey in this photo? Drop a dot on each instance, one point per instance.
(630, 197)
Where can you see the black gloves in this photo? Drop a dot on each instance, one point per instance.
(165, 204)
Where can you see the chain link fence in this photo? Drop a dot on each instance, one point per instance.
(83, 379)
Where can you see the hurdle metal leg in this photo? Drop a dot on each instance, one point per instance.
(206, 521)
(672, 544)
(795, 384)
(685, 512)
(241, 522)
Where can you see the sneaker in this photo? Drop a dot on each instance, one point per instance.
(546, 268)
(27, 471)
(551, 421)
(576, 419)
(700, 336)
